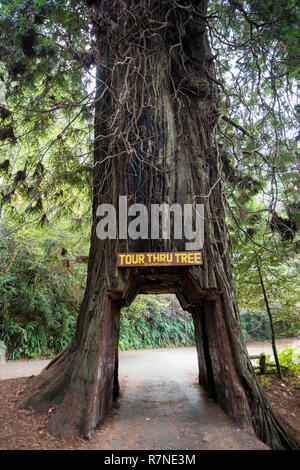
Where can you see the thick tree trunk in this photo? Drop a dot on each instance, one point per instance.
(155, 141)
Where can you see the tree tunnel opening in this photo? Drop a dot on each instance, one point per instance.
(190, 300)
(155, 321)
(161, 314)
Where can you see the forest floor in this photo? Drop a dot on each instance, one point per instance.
(284, 397)
(161, 407)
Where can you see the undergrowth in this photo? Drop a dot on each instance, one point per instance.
(40, 297)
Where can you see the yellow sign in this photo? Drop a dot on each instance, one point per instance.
(186, 258)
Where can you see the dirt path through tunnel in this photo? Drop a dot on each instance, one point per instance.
(161, 406)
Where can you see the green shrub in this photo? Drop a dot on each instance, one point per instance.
(265, 382)
(155, 321)
(38, 304)
(290, 359)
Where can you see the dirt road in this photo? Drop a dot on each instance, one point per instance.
(15, 369)
(257, 347)
(160, 407)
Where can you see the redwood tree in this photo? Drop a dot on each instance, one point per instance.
(156, 141)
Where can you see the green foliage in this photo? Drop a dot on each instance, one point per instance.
(45, 110)
(38, 300)
(279, 265)
(155, 321)
(265, 382)
(256, 325)
(290, 359)
(34, 340)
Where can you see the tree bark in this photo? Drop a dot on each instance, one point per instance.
(156, 117)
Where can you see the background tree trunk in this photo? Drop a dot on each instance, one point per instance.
(155, 141)
(271, 321)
